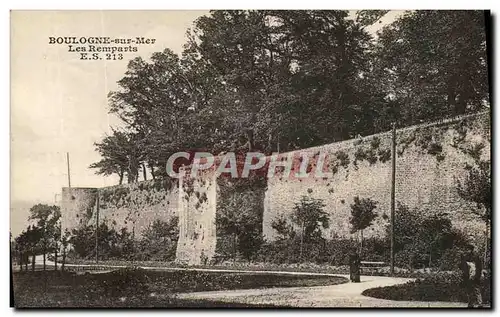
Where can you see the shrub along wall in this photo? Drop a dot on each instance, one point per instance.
(240, 206)
(430, 160)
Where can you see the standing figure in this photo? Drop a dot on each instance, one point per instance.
(203, 258)
(471, 268)
(354, 267)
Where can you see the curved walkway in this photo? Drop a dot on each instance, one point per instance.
(341, 295)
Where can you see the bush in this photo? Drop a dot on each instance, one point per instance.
(376, 249)
(337, 251)
(450, 259)
(417, 233)
(125, 282)
(279, 252)
(327, 251)
(443, 286)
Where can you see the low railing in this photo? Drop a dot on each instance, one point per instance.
(371, 266)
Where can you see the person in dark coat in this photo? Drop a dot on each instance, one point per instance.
(471, 267)
(354, 267)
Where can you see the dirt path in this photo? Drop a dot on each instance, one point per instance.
(342, 295)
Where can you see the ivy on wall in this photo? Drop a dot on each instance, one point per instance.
(341, 159)
(240, 208)
(135, 198)
(473, 149)
(427, 140)
(190, 192)
(430, 140)
(372, 154)
(188, 187)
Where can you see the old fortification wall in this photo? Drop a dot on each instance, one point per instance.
(77, 207)
(132, 206)
(197, 230)
(135, 206)
(430, 159)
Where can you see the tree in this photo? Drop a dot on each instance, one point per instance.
(431, 66)
(476, 188)
(57, 236)
(277, 64)
(239, 217)
(157, 100)
(303, 228)
(310, 218)
(22, 249)
(107, 242)
(369, 17)
(47, 221)
(433, 232)
(283, 228)
(261, 87)
(32, 242)
(110, 243)
(82, 240)
(65, 240)
(362, 216)
(423, 238)
(123, 246)
(283, 80)
(250, 240)
(406, 226)
(121, 154)
(159, 240)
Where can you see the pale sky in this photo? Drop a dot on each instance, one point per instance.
(59, 103)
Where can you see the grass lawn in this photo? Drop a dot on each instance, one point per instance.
(251, 266)
(298, 267)
(141, 288)
(437, 288)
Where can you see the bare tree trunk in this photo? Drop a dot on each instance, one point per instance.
(133, 169)
(451, 99)
(121, 176)
(301, 240)
(269, 143)
(33, 263)
(26, 261)
(361, 243)
(144, 172)
(151, 167)
(63, 259)
(234, 248)
(44, 266)
(55, 258)
(486, 245)
(250, 140)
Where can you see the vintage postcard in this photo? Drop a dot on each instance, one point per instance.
(251, 158)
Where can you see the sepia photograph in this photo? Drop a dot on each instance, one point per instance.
(250, 159)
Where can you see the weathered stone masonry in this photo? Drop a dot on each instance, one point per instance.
(131, 206)
(430, 160)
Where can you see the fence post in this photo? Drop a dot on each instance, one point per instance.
(393, 195)
(97, 230)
